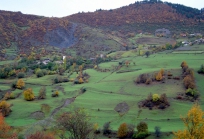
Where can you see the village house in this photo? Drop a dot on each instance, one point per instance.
(46, 61)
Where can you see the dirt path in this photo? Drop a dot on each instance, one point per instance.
(66, 102)
(45, 123)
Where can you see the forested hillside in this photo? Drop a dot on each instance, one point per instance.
(140, 12)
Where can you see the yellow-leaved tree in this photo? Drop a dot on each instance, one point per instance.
(159, 76)
(28, 94)
(4, 108)
(194, 123)
(20, 84)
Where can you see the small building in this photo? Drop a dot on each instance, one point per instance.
(46, 61)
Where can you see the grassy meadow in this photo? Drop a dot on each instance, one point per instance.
(106, 89)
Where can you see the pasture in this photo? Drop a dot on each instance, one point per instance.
(107, 89)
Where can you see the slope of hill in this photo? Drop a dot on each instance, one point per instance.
(142, 14)
(31, 30)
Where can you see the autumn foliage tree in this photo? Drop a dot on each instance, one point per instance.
(28, 94)
(159, 76)
(20, 84)
(189, 82)
(194, 124)
(4, 108)
(123, 130)
(184, 64)
(81, 80)
(5, 129)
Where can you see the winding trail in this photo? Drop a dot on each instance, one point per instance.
(66, 102)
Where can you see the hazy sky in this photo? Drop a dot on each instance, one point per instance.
(60, 8)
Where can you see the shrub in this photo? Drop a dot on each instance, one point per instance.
(169, 74)
(13, 84)
(162, 71)
(28, 94)
(83, 90)
(9, 95)
(58, 79)
(189, 72)
(192, 92)
(162, 106)
(45, 108)
(142, 127)
(189, 82)
(96, 129)
(184, 64)
(81, 81)
(143, 78)
(41, 135)
(45, 72)
(76, 81)
(20, 84)
(71, 80)
(65, 80)
(122, 130)
(141, 135)
(5, 108)
(21, 75)
(39, 73)
(130, 130)
(12, 96)
(106, 128)
(201, 70)
(149, 97)
(159, 76)
(157, 131)
(155, 97)
(163, 98)
(148, 81)
(42, 93)
(56, 94)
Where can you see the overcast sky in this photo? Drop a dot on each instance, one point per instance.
(60, 8)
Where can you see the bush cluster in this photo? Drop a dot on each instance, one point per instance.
(160, 102)
(56, 94)
(201, 70)
(142, 131)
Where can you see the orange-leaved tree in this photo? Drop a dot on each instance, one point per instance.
(159, 76)
(194, 123)
(5, 129)
(28, 94)
(184, 64)
(123, 130)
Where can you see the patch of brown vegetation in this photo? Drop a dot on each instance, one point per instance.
(122, 108)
